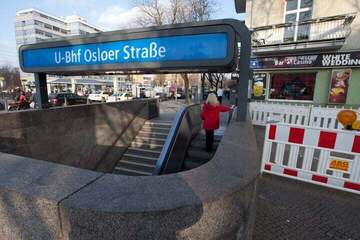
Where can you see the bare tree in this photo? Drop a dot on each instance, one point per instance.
(159, 80)
(215, 79)
(156, 13)
(11, 77)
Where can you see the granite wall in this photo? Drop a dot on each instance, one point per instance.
(44, 200)
(85, 136)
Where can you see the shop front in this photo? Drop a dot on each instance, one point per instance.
(320, 79)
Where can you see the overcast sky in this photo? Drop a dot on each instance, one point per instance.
(107, 14)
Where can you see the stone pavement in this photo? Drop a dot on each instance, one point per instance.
(294, 210)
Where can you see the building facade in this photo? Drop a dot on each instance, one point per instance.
(305, 50)
(32, 26)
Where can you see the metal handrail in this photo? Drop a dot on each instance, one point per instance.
(319, 29)
(347, 17)
(231, 116)
(170, 140)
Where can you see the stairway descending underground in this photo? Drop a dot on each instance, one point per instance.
(196, 154)
(141, 156)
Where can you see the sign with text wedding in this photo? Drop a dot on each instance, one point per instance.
(326, 60)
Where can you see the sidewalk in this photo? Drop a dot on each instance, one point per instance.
(294, 210)
(168, 110)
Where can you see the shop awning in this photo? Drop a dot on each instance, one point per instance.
(61, 81)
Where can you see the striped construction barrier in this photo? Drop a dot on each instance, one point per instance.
(307, 115)
(326, 157)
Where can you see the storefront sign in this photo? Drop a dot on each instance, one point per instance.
(209, 47)
(339, 85)
(326, 60)
(259, 86)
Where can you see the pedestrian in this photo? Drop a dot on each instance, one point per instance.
(22, 101)
(220, 93)
(212, 90)
(211, 120)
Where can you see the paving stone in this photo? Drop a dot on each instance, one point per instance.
(294, 210)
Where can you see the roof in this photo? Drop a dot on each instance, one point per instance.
(66, 19)
(84, 81)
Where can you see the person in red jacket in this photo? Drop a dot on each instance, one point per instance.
(211, 120)
(22, 100)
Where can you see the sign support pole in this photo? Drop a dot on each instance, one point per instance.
(244, 71)
(41, 90)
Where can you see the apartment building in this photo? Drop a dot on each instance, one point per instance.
(32, 26)
(305, 51)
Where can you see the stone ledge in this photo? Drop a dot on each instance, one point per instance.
(30, 191)
(42, 200)
(191, 204)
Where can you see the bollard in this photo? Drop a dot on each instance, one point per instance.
(88, 101)
(6, 105)
(65, 102)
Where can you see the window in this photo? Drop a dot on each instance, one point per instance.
(39, 23)
(83, 32)
(292, 86)
(48, 26)
(48, 35)
(297, 11)
(37, 31)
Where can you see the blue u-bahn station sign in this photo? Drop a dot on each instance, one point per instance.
(196, 49)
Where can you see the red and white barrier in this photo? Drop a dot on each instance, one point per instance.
(321, 156)
(307, 115)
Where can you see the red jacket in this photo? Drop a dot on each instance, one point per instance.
(210, 115)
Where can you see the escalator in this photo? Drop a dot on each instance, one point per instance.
(196, 154)
(163, 147)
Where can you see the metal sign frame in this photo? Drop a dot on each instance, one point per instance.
(236, 60)
(219, 26)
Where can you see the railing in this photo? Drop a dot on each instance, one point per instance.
(327, 157)
(263, 112)
(301, 114)
(329, 28)
(185, 126)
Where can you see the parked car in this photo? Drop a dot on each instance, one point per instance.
(58, 99)
(2, 105)
(161, 96)
(99, 97)
(180, 93)
(17, 106)
(117, 97)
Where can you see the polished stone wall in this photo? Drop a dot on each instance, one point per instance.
(44, 200)
(86, 136)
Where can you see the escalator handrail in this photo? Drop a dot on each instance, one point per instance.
(170, 139)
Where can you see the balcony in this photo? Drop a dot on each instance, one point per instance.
(316, 34)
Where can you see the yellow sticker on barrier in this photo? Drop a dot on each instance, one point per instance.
(341, 165)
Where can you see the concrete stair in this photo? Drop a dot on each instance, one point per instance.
(197, 154)
(141, 156)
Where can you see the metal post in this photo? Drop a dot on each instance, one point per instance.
(244, 71)
(6, 105)
(202, 87)
(41, 90)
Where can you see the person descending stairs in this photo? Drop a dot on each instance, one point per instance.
(196, 154)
